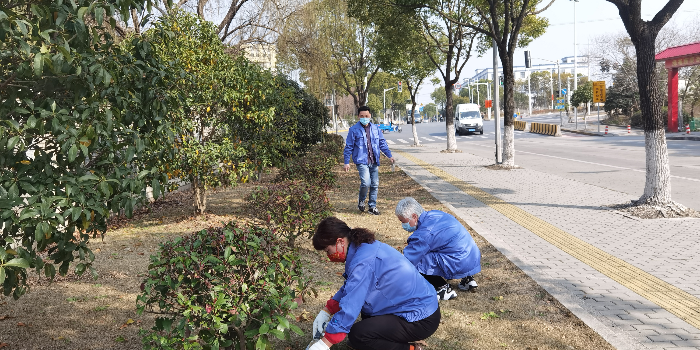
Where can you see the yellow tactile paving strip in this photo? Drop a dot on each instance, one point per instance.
(665, 295)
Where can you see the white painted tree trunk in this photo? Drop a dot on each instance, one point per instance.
(509, 146)
(657, 189)
(451, 139)
(416, 141)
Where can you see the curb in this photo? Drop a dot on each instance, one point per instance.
(589, 133)
(683, 138)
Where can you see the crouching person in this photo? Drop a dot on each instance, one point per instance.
(397, 305)
(440, 248)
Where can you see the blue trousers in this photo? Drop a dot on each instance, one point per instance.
(369, 180)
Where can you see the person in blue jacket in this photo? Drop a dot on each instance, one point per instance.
(440, 248)
(364, 142)
(397, 305)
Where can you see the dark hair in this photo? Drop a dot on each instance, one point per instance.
(364, 108)
(332, 228)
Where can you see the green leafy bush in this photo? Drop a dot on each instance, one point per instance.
(334, 144)
(82, 121)
(222, 287)
(315, 167)
(291, 208)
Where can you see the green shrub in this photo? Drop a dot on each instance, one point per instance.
(222, 287)
(291, 208)
(334, 144)
(315, 167)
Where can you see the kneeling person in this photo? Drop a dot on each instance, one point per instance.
(440, 247)
(397, 305)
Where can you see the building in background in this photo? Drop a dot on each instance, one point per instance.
(521, 73)
(262, 54)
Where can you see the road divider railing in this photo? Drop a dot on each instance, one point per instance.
(520, 125)
(546, 129)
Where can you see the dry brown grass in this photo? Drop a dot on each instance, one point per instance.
(509, 311)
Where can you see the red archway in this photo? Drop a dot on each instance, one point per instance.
(674, 58)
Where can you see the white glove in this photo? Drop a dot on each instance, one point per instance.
(319, 345)
(320, 324)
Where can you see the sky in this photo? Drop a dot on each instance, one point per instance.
(594, 18)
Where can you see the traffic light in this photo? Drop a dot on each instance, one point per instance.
(399, 88)
(528, 60)
(500, 80)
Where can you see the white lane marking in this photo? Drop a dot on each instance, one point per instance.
(593, 163)
(402, 140)
(440, 138)
(390, 142)
(428, 139)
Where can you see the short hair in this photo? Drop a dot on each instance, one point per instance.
(408, 206)
(364, 108)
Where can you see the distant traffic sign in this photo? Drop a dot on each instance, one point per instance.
(559, 107)
(563, 91)
(561, 100)
(598, 91)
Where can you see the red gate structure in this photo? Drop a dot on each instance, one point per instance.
(674, 58)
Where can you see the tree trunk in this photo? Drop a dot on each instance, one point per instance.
(450, 116)
(508, 110)
(200, 197)
(657, 190)
(416, 142)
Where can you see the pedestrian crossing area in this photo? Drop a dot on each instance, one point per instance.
(473, 137)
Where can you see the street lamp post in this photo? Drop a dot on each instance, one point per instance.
(497, 119)
(384, 103)
(575, 63)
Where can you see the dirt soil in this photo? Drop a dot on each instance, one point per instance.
(508, 311)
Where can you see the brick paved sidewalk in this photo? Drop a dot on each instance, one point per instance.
(634, 281)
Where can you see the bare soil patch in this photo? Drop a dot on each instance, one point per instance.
(508, 311)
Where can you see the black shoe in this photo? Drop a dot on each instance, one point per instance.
(373, 210)
(468, 284)
(361, 207)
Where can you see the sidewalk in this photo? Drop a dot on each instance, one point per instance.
(633, 281)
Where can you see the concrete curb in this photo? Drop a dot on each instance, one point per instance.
(684, 138)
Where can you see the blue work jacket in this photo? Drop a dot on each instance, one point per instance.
(356, 144)
(379, 281)
(441, 246)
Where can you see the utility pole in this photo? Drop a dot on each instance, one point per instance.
(488, 97)
(335, 115)
(497, 119)
(529, 95)
(384, 103)
(575, 64)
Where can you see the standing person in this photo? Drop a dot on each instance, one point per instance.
(397, 305)
(440, 248)
(364, 142)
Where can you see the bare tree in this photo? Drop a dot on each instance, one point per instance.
(325, 43)
(242, 22)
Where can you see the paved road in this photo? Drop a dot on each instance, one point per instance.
(616, 163)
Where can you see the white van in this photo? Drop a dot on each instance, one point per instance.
(468, 119)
